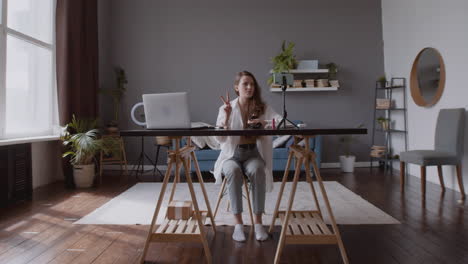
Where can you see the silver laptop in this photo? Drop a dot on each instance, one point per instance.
(166, 110)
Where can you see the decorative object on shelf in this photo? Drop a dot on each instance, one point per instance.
(284, 61)
(297, 84)
(382, 103)
(310, 82)
(384, 123)
(82, 144)
(334, 83)
(322, 83)
(386, 100)
(116, 94)
(307, 65)
(347, 160)
(382, 82)
(427, 77)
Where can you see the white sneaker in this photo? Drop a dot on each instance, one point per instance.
(260, 233)
(238, 234)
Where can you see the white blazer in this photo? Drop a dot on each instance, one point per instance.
(229, 143)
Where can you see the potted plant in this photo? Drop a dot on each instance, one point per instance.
(347, 160)
(284, 61)
(116, 94)
(82, 143)
(332, 70)
(382, 82)
(384, 122)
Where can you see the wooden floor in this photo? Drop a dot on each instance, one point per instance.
(41, 231)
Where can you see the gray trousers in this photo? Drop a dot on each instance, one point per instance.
(250, 163)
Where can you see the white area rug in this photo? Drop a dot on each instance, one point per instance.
(137, 204)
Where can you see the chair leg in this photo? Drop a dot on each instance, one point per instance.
(100, 168)
(423, 182)
(220, 196)
(402, 176)
(249, 205)
(441, 178)
(460, 181)
(122, 148)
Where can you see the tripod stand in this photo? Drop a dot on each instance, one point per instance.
(285, 113)
(140, 166)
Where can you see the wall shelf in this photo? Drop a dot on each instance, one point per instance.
(307, 71)
(391, 109)
(305, 89)
(391, 87)
(391, 131)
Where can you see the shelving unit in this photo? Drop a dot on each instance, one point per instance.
(306, 89)
(387, 93)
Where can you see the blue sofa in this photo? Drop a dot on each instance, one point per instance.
(207, 157)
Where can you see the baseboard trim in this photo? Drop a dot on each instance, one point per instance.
(133, 167)
(336, 165)
(326, 165)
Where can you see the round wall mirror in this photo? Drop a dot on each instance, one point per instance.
(427, 77)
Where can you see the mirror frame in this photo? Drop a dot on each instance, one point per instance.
(416, 90)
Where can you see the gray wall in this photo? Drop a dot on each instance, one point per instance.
(199, 46)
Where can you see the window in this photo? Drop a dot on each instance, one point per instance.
(28, 93)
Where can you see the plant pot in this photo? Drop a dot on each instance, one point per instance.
(381, 84)
(83, 175)
(112, 130)
(334, 83)
(347, 163)
(384, 125)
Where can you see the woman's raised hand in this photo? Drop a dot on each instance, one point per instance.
(227, 104)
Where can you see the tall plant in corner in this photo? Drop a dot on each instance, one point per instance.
(117, 94)
(285, 60)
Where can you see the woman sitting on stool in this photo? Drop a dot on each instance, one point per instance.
(249, 155)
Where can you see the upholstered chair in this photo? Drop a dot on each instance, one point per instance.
(448, 149)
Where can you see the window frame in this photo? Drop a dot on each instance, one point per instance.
(4, 33)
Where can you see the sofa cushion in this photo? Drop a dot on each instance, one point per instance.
(291, 141)
(207, 154)
(279, 142)
(280, 153)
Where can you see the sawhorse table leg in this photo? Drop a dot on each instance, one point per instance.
(191, 230)
(305, 227)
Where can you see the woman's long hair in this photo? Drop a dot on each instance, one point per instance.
(259, 105)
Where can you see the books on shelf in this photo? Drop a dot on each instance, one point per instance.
(382, 103)
(378, 151)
